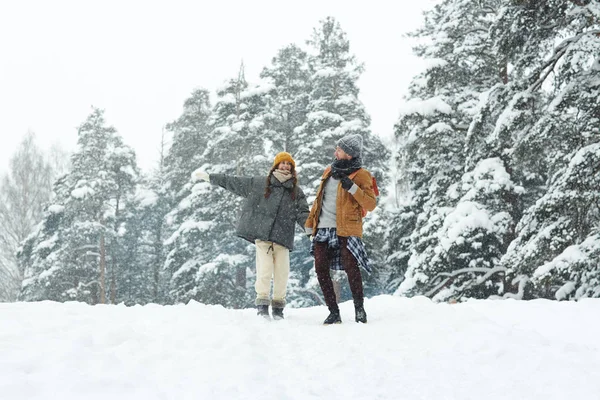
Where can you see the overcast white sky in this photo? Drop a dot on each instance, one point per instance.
(139, 60)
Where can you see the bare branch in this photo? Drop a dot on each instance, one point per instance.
(452, 275)
(85, 285)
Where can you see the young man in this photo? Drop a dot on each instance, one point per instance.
(336, 222)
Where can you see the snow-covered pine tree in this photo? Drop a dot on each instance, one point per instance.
(40, 252)
(142, 233)
(396, 246)
(432, 129)
(512, 121)
(290, 74)
(473, 236)
(508, 111)
(191, 134)
(334, 110)
(558, 70)
(207, 262)
(557, 248)
(73, 255)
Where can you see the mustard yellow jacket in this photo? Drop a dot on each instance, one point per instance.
(349, 208)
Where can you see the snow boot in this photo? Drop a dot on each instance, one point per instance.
(277, 313)
(263, 311)
(360, 314)
(333, 318)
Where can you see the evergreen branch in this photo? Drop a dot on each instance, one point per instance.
(87, 247)
(559, 52)
(472, 30)
(580, 3)
(314, 293)
(459, 127)
(488, 10)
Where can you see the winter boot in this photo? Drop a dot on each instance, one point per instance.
(361, 314)
(277, 313)
(263, 311)
(333, 318)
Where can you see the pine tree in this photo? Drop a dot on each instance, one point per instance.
(432, 128)
(142, 233)
(74, 253)
(289, 74)
(556, 248)
(334, 111)
(472, 237)
(550, 120)
(190, 139)
(519, 128)
(245, 141)
(191, 136)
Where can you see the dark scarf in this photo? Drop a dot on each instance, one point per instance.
(341, 168)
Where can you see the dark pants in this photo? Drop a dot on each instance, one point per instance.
(322, 263)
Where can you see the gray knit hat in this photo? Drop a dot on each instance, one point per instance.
(352, 145)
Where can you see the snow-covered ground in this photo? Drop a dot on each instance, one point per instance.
(410, 349)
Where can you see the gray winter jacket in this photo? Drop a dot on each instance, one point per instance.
(269, 219)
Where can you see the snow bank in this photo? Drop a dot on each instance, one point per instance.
(411, 349)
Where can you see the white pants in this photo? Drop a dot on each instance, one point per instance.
(272, 262)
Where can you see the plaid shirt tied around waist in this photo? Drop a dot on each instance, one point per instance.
(355, 246)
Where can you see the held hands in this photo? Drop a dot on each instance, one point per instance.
(199, 175)
(346, 182)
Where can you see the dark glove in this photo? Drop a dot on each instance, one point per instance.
(346, 182)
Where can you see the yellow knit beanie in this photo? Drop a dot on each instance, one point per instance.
(283, 156)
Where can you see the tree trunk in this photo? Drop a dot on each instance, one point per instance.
(504, 72)
(102, 270)
(240, 277)
(113, 259)
(157, 263)
(113, 287)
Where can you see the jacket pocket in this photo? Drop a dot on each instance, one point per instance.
(354, 214)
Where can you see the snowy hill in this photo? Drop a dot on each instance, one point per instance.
(410, 349)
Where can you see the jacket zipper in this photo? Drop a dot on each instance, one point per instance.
(276, 213)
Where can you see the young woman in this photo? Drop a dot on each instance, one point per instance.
(273, 206)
